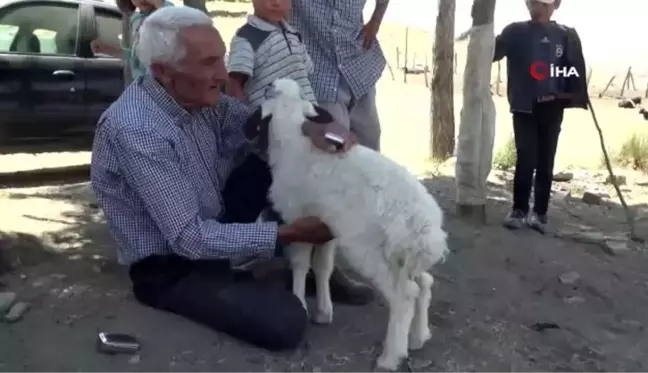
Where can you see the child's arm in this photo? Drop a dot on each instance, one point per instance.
(240, 65)
(307, 61)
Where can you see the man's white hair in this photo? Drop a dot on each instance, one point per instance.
(158, 37)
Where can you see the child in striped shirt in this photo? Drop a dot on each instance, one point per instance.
(265, 49)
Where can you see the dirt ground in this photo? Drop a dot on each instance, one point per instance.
(494, 287)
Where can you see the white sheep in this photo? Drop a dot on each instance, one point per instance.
(388, 228)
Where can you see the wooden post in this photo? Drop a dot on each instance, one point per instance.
(646, 91)
(607, 86)
(398, 58)
(626, 81)
(589, 76)
(406, 52)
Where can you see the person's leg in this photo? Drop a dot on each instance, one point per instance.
(208, 292)
(550, 118)
(525, 133)
(365, 122)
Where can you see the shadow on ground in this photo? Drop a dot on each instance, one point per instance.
(490, 294)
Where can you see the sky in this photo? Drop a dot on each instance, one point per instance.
(612, 32)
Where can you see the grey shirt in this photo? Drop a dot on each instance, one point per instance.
(523, 43)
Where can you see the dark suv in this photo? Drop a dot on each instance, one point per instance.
(52, 88)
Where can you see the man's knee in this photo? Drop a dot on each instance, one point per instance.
(288, 325)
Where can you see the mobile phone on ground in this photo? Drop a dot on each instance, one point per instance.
(117, 343)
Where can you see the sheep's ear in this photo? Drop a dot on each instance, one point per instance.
(256, 124)
(320, 115)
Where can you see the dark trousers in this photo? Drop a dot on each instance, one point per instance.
(209, 292)
(536, 141)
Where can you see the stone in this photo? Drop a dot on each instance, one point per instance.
(641, 182)
(569, 277)
(135, 359)
(17, 312)
(617, 179)
(563, 177)
(591, 198)
(7, 300)
(574, 300)
(58, 276)
(474, 214)
(615, 246)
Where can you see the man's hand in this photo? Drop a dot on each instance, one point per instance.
(317, 131)
(369, 33)
(307, 229)
(101, 47)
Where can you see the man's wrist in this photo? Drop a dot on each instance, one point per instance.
(286, 234)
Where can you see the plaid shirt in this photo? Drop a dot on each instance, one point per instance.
(158, 172)
(331, 30)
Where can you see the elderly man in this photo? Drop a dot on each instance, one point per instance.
(181, 190)
(537, 102)
(348, 60)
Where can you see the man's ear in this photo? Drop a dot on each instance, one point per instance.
(256, 124)
(321, 116)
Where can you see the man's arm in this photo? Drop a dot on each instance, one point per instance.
(240, 65)
(503, 43)
(151, 167)
(379, 11)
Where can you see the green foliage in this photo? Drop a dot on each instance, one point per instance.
(634, 152)
(506, 156)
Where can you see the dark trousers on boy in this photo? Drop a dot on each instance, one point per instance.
(536, 141)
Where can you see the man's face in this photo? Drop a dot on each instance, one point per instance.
(540, 10)
(196, 80)
(272, 10)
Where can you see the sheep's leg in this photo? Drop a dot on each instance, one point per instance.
(420, 331)
(299, 256)
(401, 300)
(323, 262)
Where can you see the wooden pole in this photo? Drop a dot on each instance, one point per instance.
(406, 52)
(607, 86)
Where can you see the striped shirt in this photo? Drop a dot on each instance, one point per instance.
(332, 34)
(158, 172)
(266, 52)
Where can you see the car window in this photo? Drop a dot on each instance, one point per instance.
(109, 28)
(39, 28)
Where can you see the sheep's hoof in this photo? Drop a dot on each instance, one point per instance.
(388, 364)
(323, 318)
(418, 340)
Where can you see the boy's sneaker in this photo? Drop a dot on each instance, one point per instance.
(537, 222)
(515, 219)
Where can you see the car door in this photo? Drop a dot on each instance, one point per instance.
(104, 74)
(49, 81)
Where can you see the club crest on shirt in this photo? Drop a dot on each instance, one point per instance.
(559, 50)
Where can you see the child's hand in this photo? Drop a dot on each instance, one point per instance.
(235, 87)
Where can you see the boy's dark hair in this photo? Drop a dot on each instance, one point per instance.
(126, 6)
